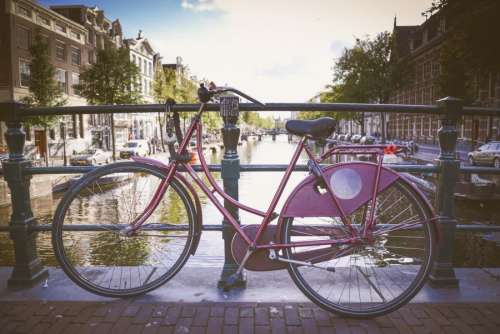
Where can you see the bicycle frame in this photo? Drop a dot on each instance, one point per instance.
(269, 214)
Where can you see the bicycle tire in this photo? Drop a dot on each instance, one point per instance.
(345, 309)
(80, 188)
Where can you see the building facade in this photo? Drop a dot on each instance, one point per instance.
(419, 48)
(20, 21)
(101, 33)
(142, 53)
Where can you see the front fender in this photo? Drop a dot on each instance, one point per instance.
(192, 192)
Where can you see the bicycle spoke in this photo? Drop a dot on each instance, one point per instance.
(103, 258)
(372, 275)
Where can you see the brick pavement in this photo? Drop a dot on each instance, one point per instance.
(134, 317)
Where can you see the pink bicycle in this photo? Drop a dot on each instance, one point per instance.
(357, 238)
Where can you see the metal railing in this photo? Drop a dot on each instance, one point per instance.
(17, 171)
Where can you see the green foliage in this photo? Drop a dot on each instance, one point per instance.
(364, 70)
(167, 85)
(43, 88)
(332, 94)
(363, 74)
(254, 119)
(113, 79)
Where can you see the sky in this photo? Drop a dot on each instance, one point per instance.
(274, 50)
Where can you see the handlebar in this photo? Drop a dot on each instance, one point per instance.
(206, 95)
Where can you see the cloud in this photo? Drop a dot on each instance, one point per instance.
(198, 5)
(276, 50)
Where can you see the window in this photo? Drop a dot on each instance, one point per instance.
(23, 38)
(76, 56)
(61, 79)
(60, 51)
(436, 69)
(76, 35)
(145, 91)
(24, 73)
(145, 67)
(484, 147)
(91, 57)
(24, 11)
(75, 80)
(60, 28)
(133, 59)
(44, 20)
(150, 86)
(150, 70)
(427, 70)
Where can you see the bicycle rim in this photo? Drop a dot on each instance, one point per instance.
(89, 236)
(369, 279)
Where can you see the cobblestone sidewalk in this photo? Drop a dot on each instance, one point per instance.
(130, 317)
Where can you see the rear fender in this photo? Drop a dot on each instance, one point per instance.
(192, 192)
(353, 185)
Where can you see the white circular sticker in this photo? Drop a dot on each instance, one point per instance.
(346, 183)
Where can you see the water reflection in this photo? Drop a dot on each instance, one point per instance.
(256, 189)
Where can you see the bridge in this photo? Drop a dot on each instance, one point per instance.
(449, 285)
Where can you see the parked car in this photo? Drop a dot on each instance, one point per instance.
(367, 140)
(355, 138)
(90, 157)
(347, 137)
(138, 147)
(487, 154)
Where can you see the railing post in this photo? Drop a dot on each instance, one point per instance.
(230, 172)
(27, 268)
(443, 274)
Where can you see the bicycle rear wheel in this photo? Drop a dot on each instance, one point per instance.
(369, 278)
(90, 239)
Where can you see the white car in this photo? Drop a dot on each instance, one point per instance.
(138, 147)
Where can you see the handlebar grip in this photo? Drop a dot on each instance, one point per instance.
(204, 95)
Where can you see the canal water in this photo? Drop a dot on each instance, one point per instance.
(257, 189)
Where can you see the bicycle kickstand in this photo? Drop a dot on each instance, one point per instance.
(233, 278)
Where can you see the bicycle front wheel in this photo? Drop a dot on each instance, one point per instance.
(372, 277)
(90, 239)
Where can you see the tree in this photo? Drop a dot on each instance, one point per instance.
(468, 49)
(364, 73)
(112, 79)
(160, 86)
(43, 88)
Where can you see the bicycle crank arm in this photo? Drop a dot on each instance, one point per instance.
(273, 256)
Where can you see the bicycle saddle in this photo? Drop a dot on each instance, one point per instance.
(318, 128)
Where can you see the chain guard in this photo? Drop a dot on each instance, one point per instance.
(259, 260)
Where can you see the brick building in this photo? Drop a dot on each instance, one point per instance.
(75, 33)
(101, 33)
(419, 48)
(20, 20)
